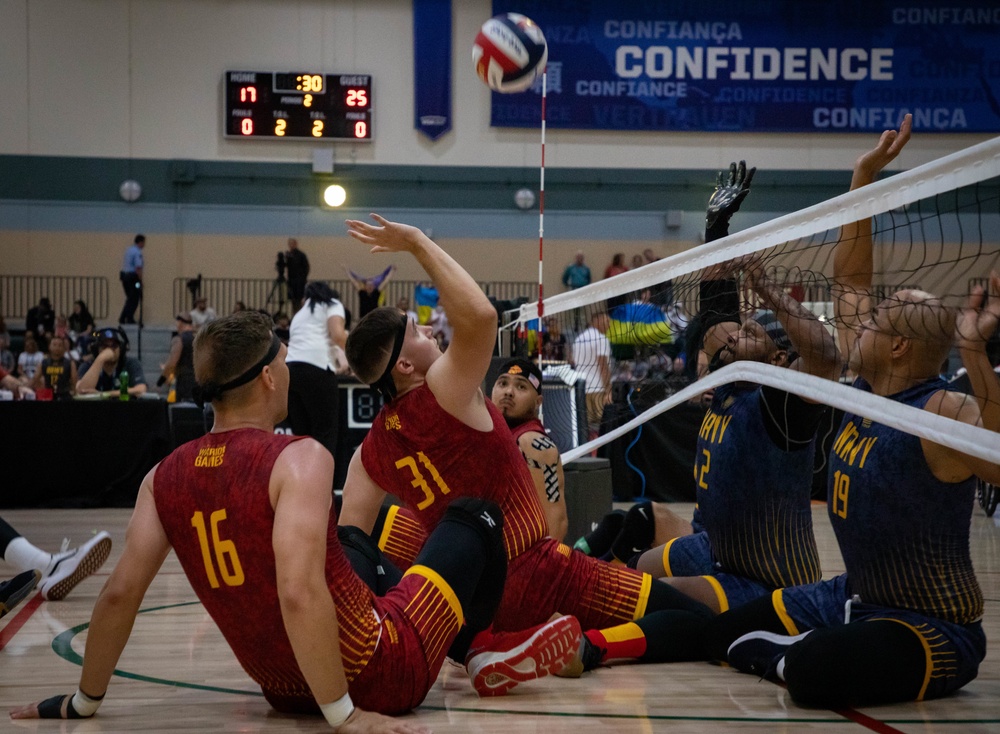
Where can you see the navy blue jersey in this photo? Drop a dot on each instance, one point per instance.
(753, 495)
(904, 534)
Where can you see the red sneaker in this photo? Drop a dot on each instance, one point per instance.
(515, 657)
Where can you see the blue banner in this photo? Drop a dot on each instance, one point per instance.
(763, 66)
(432, 67)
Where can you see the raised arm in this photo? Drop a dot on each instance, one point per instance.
(975, 324)
(146, 546)
(852, 258)
(356, 281)
(815, 345)
(456, 377)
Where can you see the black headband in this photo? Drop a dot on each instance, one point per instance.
(210, 391)
(384, 385)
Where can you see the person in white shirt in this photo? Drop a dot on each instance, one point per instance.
(202, 313)
(313, 397)
(29, 360)
(592, 352)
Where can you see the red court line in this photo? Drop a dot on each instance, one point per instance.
(18, 620)
(867, 721)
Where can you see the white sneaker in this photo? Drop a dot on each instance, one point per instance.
(73, 566)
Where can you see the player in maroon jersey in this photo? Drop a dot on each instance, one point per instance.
(518, 394)
(438, 438)
(249, 514)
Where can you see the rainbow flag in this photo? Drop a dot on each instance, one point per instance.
(639, 324)
(425, 298)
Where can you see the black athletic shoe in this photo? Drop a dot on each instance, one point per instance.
(17, 589)
(588, 656)
(758, 653)
(637, 532)
(598, 541)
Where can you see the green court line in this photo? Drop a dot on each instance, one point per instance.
(62, 646)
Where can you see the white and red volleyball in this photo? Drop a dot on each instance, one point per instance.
(509, 53)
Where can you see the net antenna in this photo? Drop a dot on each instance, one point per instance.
(937, 226)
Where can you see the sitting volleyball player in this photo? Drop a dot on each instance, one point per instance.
(756, 512)
(278, 585)
(517, 392)
(437, 438)
(619, 535)
(904, 622)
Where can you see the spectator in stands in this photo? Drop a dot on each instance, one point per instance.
(180, 361)
(577, 274)
(282, 326)
(370, 289)
(103, 375)
(592, 355)
(11, 383)
(29, 360)
(57, 372)
(8, 362)
(62, 327)
(41, 321)
(403, 304)
(239, 306)
(80, 321)
(313, 395)
(298, 273)
(555, 345)
(202, 313)
(5, 340)
(131, 278)
(441, 330)
(617, 266)
(637, 262)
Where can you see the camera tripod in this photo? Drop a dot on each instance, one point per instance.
(279, 292)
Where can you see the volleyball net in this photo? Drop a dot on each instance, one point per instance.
(935, 228)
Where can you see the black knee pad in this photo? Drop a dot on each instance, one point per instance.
(483, 515)
(356, 538)
(368, 562)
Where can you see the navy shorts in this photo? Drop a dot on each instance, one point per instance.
(691, 555)
(954, 651)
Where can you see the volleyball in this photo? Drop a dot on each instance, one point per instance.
(509, 52)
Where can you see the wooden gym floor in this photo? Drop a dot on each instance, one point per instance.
(178, 675)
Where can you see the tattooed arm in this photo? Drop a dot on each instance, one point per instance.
(546, 468)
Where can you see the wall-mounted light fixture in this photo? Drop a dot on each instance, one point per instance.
(334, 195)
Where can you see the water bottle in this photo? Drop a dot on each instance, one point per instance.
(123, 386)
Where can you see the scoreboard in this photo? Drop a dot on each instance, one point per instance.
(297, 105)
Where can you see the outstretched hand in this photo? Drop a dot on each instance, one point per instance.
(728, 195)
(977, 322)
(889, 145)
(388, 237)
